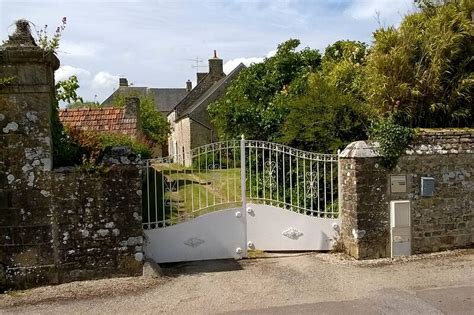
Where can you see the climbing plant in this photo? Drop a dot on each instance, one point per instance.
(6, 81)
(392, 138)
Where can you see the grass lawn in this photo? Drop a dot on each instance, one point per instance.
(194, 193)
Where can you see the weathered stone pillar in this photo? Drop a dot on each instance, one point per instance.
(365, 215)
(26, 157)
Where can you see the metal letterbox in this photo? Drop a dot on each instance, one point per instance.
(427, 186)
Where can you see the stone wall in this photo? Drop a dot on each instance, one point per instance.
(98, 222)
(440, 222)
(56, 226)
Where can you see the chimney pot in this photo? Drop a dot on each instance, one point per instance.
(189, 85)
(123, 82)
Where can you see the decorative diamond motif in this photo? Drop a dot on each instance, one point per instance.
(292, 233)
(193, 242)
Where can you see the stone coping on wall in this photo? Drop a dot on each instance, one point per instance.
(442, 141)
(426, 141)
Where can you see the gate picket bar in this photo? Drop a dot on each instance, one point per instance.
(257, 178)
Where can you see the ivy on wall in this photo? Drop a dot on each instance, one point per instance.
(392, 138)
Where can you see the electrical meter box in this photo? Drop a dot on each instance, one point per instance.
(398, 183)
(400, 228)
(427, 186)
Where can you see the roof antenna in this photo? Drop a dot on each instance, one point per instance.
(198, 62)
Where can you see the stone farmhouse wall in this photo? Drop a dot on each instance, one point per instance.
(443, 221)
(56, 225)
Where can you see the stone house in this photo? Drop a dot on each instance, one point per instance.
(190, 123)
(165, 98)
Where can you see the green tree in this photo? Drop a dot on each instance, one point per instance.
(66, 90)
(253, 103)
(323, 119)
(343, 66)
(422, 71)
(154, 125)
(87, 104)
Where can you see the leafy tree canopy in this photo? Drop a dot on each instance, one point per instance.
(343, 66)
(66, 90)
(251, 105)
(422, 72)
(154, 125)
(323, 119)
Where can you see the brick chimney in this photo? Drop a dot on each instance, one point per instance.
(216, 66)
(123, 82)
(189, 85)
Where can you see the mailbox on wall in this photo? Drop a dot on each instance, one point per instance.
(427, 186)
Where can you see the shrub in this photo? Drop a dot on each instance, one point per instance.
(393, 139)
(90, 147)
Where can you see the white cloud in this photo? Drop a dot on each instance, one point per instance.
(233, 63)
(104, 80)
(78, 49)
(64, 72)
(368, 9)
(271, 53)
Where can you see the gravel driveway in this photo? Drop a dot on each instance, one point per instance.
(306, 283)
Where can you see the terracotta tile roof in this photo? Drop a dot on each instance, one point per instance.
(108, 119)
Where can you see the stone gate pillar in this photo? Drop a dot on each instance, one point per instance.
(364, 205)
(25, 157)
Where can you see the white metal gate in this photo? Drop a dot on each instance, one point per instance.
(222, 199)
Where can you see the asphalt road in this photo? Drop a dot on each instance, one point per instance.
(304, 284)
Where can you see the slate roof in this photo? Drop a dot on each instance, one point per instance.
(165, 98)
(212, 93)
(187, 101)
(108, 119)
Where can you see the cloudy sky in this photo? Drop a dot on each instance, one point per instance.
(153, 42)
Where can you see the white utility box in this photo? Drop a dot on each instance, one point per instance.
(400, 228)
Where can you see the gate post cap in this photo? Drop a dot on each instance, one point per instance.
(361, 149)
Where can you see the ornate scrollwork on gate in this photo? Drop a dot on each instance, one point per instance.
(312, 185)
(171, 185)
(269, 179)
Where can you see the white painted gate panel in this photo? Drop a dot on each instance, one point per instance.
(273, 228)
(216, 235)
(292, 195)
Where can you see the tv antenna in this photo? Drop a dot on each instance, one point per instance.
(198, 62)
